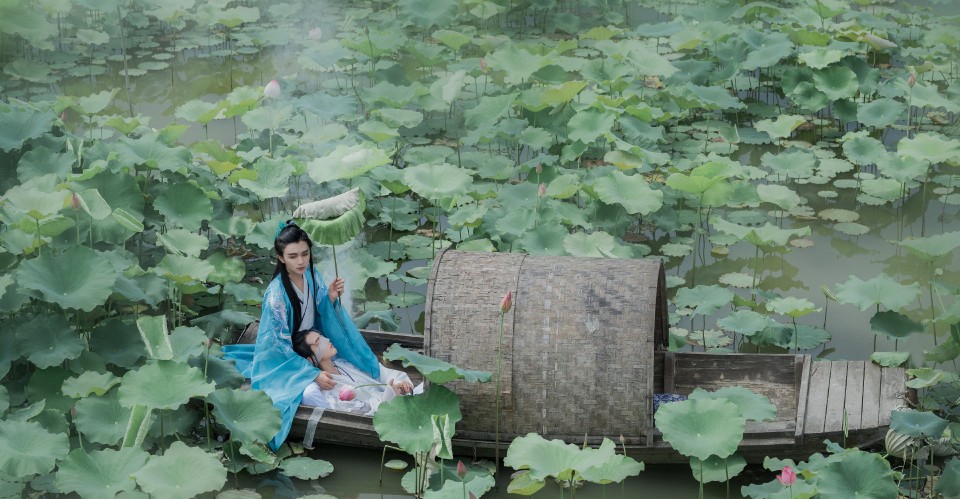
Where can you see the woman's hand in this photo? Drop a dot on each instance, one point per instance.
(324, 381)
(335, 289)
(401, 387)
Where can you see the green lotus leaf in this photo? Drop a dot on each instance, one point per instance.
(248, 414)
(41, 161)
(434, 181)
(408, 421)
(926, 377)
(452, 39)
(715, 469)
(836, 82)
(944, 352)
(220, 371)
(183, 269)
(597, 244)
(893, 324)
(440, 154)
(305, 468)
(791, 306)
(545, 458)
(949, 482)
(880, 113)
(93, 204)
(522, 483)
(35, 201)
(590, 124)
(838, 215)
(889, 359)
(701, 428)
(477, 481)
(544, 239)
(807, 97)
(19, 125)
(753, 406)
(488, 111)
(183, 241)
(857, 474)
(932, 247)
(346, 162)
(902, 169)
(396, 118)
(94, 103)
(27, 449)
(630, 191)
(102, 419)
(187, 342)
(150, 150)
(517, 62)
(100, 473)
(780, 195)
(881, 290)
(163, 384)
(745, 322)
(863, 150)
(775, 490)
(226, 269)
(437, 371)
(184, 205)
(127, 220)
(232, 226)
(4, 399)
(89, 382)
(182, 471)
(820, 57)
(606, 466)
(397, 96)
(337, 230)
(646, 60)
(791, 164)
(272, 178)
(427, 13)
(781, 127)
(199, 111)
(117, 342)
(800, 337)
(153, 332)
(378, 131)
(563, 186)
(47, 341)
(703, 300)
(676, 250)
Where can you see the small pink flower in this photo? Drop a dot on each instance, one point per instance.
(912, 80)
(506, 303)
(272, 90)
(787, 477)
(315, 34)
(75, 202)
(472, 495)
(461, 469)
(539, 168)
(347, 393)
(542, 190)
(483, 65)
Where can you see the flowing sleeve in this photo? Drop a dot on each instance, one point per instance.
(276, 368)
(339, 328)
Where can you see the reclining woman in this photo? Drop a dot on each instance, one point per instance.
(296, 300)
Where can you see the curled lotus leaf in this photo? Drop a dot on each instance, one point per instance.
(79, 277)
(27, 449)
(780, 195)
(782, 126)
(182, 471)
(184, 242)
(437, 371)
(608, 466)
(932, 147)
(702, 428)
(89, 382)
(100, 473)
(163, 384)
(932, 247)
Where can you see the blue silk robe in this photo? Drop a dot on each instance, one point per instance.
(273, 366)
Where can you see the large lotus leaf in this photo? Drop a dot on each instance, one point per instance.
(477, 481)
(225, 268)
(918, 424)
(26, 448)
(102, 419)
(949, 483)
(408, 421)
(248, 414)
(488, 111)
(117, 342)
(590, 124)
(183, 241)
(881, 290)
(857, 474)
(19, 125)
(35, 199)
(428, 13)
(150, 150)
(780, 195)
(517, 62)
(932, 247)
(396, 96)
(782, 126)
(163, 384)
(346, 162)
(745, 322)
(42, 161)
(306, 468)
(606, 466)
(701, 428)
(220, 371)
(893, 324)
(337, 230)
(703, 300)
(820, 57)
(89, 382)
(837, 82)
(791, 306)
(880, 113)
(272, 178)
(100, 473)
(772, 238)
(48, 341)
(187, 342)
(544, 458)
(182, 471)
(715, 469)
(862, 150)
(437, 371)
(801, 337)
(792, 164)
(437, 180)
(77, 278)
(889, 359)
(120, 192)
(932, 147)
(902, 169)
(184, 205)
(183, 269)
(753, 406)
(630, 191)
(544, 239)
(597, 244)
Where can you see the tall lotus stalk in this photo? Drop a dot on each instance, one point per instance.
(505, 306)
(271, 91)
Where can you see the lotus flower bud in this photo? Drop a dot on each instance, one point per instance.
(787, 477)
(461, 469)
(347, 393)
(542, 190)
(73, 412)
(315, 34)
(912, 80)
(272, 90)
(483, 65)
(75, 202)
(506, 303)
(539, 168)
(472, 495)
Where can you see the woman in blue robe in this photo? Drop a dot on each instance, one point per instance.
(297, 299)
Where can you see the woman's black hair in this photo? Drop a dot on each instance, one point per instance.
(289, 234)
(302, 348)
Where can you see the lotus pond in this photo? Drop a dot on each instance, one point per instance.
(793, 162)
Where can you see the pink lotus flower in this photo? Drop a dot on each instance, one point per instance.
(461, 469)
(483, 65)
(912, 80)
(471, 495)
(542, 190)
(347, 393)
(506, 303)
(272, 90)
(75, 202)
(539, 168)
(315, 34)
(787, 477)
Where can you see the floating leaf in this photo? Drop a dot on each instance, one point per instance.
(181, 471)
(306, 468)
(437, 371)
(100, 473)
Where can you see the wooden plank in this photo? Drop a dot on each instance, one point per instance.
(669, 372)
(802, 394)
(870, 417)
(836, 396)
(893, 386)
(816, 413)
(854, 397)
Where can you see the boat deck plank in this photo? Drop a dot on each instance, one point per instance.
(836, 397)
(817, 398)
(893, 385)
(870, 417)
(854, 394)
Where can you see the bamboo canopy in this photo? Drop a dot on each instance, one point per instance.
(578, 343)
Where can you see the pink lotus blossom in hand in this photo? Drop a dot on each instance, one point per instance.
(272, 90)
(347, 393)
(787, 477)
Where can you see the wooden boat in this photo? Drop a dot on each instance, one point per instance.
(587, 358)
